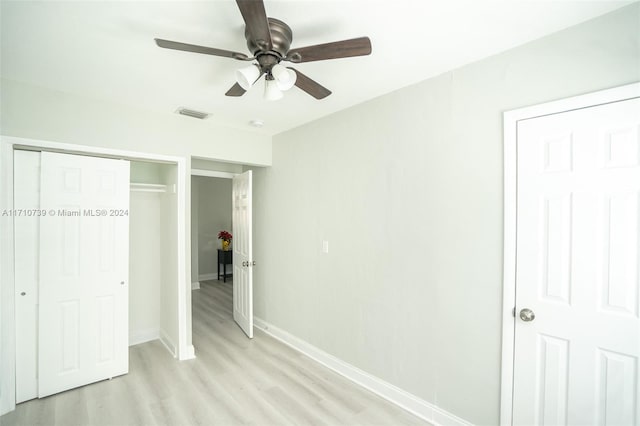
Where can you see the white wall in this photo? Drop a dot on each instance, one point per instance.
(146, 249)
(201, 164)
(39, 113)
(407, 189)
(195, 281)
(169, 299)
(146, 172)
(145, 267)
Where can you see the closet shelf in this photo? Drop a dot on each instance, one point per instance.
(148, 187)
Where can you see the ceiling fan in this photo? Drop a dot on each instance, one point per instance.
(269, 41)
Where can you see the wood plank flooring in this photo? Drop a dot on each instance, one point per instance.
(233, 381)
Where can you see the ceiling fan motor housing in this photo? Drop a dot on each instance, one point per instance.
(267, 61)
(281, 37)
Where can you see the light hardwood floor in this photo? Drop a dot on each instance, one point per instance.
(233, 381)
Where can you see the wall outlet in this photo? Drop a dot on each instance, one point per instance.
(325, 246)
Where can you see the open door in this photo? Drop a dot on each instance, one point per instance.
(242, 253)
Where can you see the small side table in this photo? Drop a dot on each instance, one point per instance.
(224, 258)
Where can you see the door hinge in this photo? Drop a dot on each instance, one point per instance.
(513, 312)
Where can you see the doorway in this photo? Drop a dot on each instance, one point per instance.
(210, 214)
(571, 327)
(210, 217)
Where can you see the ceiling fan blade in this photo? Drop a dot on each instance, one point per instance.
(338, 49)
(235, 90)
(310, 86)
(256, 21)
(175, 45)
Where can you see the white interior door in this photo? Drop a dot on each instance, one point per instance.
(578, 220)
(84, 251)
(26, 166)
(242, 253)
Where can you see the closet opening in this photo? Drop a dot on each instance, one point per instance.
(158, 290)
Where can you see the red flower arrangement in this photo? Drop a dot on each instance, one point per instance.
(225, 236)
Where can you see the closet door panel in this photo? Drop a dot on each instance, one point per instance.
(84, 252)
(26, 226)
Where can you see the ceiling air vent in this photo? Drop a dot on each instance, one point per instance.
(193, 113)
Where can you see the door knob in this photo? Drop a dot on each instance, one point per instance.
(527, 315)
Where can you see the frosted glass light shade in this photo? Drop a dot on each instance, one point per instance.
(285, 78)
(271, 91)
(247, 76)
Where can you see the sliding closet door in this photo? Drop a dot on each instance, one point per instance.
(84, 251)
(26, 198)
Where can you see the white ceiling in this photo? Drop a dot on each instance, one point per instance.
(105, 50)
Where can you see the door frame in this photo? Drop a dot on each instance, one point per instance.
(8, 144)
(510, 123)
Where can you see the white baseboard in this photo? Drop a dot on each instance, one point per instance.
(208, 277)
(195, 285)
(166, 341)
(394, 394)
(141, 336)
(190, 353)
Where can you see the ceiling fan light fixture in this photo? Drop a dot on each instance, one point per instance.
(289, 84)
(271, 90)
(247, 76)
(285, 78)
(283, 87)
